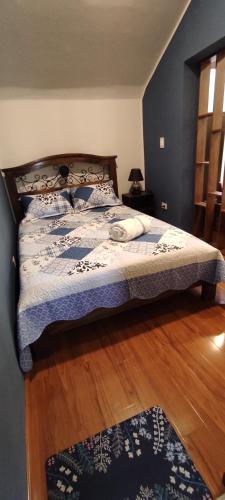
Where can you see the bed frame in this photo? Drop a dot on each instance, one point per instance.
(94, 169)
(91, 169)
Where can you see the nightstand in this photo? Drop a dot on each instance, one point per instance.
(144, 201)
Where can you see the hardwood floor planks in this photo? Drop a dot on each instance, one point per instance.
(170, 353)
(209, 455)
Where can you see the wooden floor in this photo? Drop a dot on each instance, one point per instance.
(171, 353)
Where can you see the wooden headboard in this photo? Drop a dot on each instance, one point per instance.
(56, 172)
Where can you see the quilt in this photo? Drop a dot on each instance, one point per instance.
(69, 267)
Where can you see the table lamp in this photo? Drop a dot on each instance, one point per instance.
(135, 176)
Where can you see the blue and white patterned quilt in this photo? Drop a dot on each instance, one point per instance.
(69, 267)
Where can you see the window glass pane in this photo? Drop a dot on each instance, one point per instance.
(224, 100)
(222, 164)
(212, 79)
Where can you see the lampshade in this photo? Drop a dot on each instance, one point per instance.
(135, 175)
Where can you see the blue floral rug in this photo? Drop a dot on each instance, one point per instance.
(139, 459)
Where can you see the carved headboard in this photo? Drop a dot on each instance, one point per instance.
(56, 172)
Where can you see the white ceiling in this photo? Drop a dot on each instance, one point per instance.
(83, 47)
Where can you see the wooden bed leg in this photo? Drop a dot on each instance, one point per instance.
(208, 291)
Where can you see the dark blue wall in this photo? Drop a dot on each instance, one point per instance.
(170, 110)
(12, 433)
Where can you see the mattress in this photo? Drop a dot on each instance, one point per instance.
(69, 267)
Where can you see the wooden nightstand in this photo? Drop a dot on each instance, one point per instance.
(144, 201)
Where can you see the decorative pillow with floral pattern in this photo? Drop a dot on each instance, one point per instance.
(93, 196)
(43, 205)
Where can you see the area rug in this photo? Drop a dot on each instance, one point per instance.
(139, 459)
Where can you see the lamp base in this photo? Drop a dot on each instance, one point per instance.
(135, 188)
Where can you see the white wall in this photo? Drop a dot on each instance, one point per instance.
(33, 128)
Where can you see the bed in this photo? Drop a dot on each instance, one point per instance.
(69, 267)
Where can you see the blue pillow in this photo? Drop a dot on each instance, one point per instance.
(93, 196)
(43, 205)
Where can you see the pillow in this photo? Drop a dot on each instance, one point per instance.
(43, 205)
(94, 195)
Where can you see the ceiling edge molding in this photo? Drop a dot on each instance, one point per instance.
(91, 93)
(164, 48)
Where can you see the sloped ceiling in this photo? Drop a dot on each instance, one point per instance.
(83, 47)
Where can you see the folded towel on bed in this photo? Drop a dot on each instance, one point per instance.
(128, 229)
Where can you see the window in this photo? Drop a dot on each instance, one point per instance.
(210, 152)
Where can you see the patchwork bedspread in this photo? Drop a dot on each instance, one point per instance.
(69, 267)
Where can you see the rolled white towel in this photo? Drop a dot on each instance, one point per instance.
(128, 229)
